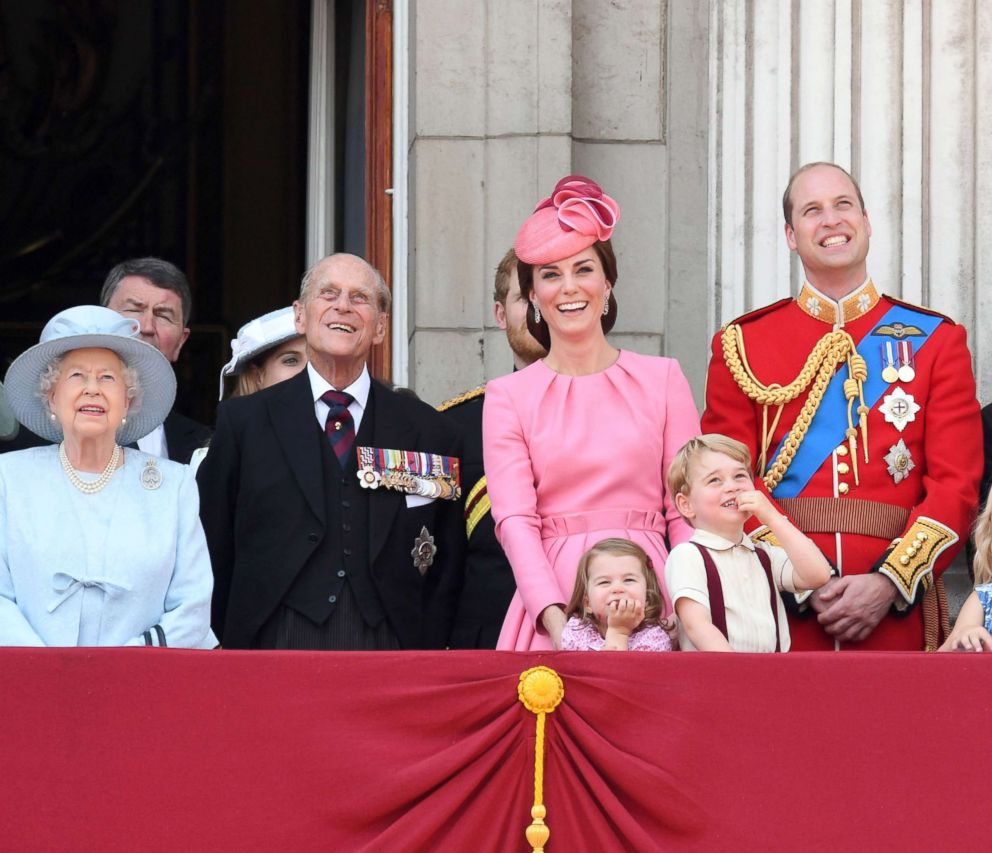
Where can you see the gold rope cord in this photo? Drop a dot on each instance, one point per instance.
(830, 351)
(540, 689)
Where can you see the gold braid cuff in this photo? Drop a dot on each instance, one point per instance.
(477, 504)
(764, 534)
(909, 565)
(830, 351)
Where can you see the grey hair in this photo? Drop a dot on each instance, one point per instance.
(384, 295)
(132, 383)
(162, 274)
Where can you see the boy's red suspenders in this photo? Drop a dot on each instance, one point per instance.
(718, 613)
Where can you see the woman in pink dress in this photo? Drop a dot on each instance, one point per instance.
(577, 444)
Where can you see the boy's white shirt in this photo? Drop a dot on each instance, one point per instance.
(745, 588)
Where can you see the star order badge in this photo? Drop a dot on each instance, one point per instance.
(423, 551)
(900, 461)
(151, 477)
(899, 408)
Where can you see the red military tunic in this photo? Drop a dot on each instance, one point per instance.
(913, 503)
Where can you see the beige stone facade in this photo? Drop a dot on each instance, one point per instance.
(692, 114)
(507, 96)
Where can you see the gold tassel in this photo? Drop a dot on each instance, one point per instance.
(540, 689)
(859, 370)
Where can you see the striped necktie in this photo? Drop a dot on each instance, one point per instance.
(340, 425)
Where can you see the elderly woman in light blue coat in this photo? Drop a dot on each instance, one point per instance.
(99, 545)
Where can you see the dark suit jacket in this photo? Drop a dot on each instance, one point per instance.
(263, 508)
(23, 440)
(489, 583)
(184, 435)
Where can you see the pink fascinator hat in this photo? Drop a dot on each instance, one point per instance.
(577, 214)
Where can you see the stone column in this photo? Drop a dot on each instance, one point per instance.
(491, 120)
(894, 91)
(509, 96)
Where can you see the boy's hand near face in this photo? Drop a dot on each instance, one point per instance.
(757, 504)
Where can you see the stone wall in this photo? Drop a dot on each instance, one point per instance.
(510, 95)
(693, 115)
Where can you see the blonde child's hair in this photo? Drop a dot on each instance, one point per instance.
(678, 471)
(616, 548)
(981, 534)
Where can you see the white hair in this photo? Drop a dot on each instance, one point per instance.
(384, 295)
(50, 376)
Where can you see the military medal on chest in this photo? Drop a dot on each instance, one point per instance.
(897, 353)
(429, 475)
(890, 373)
(899, 408)
(907, 371)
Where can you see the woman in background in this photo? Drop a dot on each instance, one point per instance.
(267, 350)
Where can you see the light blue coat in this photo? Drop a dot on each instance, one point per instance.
(125, 566)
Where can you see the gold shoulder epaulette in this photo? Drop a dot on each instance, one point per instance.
(462, 398)
(758, 312)
(921, 308)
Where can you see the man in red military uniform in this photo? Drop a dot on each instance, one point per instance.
(861, 415)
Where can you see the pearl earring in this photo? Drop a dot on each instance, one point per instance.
(537, 314)
(123, 420)
(51, 416)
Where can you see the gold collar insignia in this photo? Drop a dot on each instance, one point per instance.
(825, 309)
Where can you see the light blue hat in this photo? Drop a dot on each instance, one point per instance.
(92, 326)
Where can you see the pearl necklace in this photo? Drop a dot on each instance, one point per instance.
(90, 487)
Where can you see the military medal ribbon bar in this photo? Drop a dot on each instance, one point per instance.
(412, 472)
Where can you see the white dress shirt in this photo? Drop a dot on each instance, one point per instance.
(154, 443)
(359, 389)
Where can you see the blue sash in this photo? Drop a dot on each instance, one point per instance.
(829, 425)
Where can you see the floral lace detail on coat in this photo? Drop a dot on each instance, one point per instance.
(579, 636)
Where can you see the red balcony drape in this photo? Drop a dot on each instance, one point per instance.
(146, 749)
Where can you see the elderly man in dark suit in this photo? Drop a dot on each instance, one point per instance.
(330, 501)
(156, 294)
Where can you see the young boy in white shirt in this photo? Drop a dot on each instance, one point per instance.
(725, 587)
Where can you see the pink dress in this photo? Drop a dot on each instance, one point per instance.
(580, 636)
(571, 460)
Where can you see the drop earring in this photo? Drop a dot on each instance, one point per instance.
(537, 314)
(606, 304)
